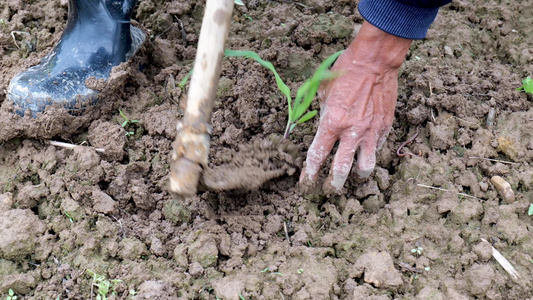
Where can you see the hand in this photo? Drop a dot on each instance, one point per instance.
(357, 108)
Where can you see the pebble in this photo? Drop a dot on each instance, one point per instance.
(504, 189)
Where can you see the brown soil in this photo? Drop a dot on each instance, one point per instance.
(63, 212)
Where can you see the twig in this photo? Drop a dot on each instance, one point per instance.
(286, 232)
(72, 146)
(92, 289)
(445, 190)
(182, 30)
(495, 160)
(503, 262)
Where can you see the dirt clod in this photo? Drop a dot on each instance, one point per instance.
(378, 269)
(20, 230)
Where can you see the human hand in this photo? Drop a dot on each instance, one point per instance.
(357, 108)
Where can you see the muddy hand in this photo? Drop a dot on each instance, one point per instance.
(357, 108)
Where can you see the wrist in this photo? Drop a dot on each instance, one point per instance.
(378, 48)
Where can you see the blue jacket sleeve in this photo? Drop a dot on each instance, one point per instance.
(408, 19)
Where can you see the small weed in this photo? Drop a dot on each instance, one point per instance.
(127, 122)
(267, 269)
(104, 286)
(527, 85)
(133, 293)
(241, 297)
(11, 295)
(69, 217)
(417, 251)
(530, 210)
(300, 271)
(306, 92)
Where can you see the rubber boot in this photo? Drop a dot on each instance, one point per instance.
(98, 36)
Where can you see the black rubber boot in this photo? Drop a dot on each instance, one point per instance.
(98, 36)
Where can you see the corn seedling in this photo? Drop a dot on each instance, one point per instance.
(527, 85)
(11, 295)
(104, 286)
(306, 92)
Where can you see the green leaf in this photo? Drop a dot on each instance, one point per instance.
(239, 2)
(527, 85)
(308, 89)
(183, 82)
(250, 54)
(530, 210)
(309, 115)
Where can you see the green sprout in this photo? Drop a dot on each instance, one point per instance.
(104, 286)
(239, 2)
(69, 217)
(527, 85)
(11, 295)
(306, 92)
(300, 271)
(133, 293)
(127, 122)
(417, 251)
(183, 82)
(530, 210)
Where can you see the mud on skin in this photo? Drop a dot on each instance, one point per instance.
(64, 211)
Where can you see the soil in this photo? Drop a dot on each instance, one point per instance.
(64, 212)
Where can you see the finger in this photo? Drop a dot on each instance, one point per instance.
(366, 158)
(342, 163)
(318, 152)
